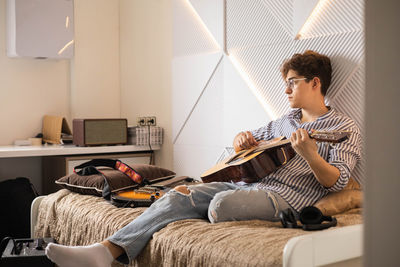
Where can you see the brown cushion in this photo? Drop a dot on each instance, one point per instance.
(337, 202)
(94, 184)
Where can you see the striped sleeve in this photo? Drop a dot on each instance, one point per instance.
(265, 132)
(344, 156)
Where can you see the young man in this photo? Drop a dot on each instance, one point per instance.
(316, 170)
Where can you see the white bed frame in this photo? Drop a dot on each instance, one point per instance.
(320, 248)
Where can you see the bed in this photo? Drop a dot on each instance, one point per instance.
(75, 219)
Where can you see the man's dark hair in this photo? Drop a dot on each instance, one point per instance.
(310, 64)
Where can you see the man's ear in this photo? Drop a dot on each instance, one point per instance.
(316, 82)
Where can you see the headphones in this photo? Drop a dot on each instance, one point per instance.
(310, 217)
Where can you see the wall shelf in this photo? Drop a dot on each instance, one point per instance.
(58, 150)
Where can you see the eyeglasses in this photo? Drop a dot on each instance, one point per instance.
(291, 82)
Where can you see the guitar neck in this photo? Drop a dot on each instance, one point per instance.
(320, 136)
(330, 136)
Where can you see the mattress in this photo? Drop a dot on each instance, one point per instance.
(75, 219)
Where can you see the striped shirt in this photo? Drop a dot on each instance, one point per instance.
(295, 182)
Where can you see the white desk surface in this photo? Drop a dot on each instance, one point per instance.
(56, 150)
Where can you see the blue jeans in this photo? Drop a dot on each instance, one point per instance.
(217, 202)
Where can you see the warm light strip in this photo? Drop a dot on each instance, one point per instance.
(195, 14)
(317, 11)
(268, 108)
(237, 65)
(67, 22)
(65, 47)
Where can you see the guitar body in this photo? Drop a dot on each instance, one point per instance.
(254, 164)
(250, 166)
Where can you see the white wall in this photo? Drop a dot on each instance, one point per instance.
(95, 84)
(145, 56)
(86, 86)
(29, 89)
(121, 68)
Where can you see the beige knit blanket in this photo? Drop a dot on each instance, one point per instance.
(74, 219)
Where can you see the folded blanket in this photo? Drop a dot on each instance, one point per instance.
(74, 219)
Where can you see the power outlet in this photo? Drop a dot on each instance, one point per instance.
(141, 121)
(146, 121)
(151, 121)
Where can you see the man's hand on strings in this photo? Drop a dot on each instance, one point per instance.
(303, 144)
(244, 140)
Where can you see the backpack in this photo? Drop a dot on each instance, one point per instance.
(16, 196)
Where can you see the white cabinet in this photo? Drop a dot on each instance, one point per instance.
(40, 28)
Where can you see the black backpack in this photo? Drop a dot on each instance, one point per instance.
(16, 196)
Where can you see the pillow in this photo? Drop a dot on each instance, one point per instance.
(337, 202)
(94, 184)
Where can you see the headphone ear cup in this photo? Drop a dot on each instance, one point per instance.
(311, 215)
(288, 219)
(312, 218)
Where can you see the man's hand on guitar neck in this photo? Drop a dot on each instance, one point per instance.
(303, 144)
(244, 140)
(325, 173)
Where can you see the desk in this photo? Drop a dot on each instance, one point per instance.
(58, 150)
(59, 160)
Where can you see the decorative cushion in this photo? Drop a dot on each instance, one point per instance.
(337, 202)
(94, 184)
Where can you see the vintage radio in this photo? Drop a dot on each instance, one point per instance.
(92, 132)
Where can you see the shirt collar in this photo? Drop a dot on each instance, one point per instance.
(331, 111)
(296, 114)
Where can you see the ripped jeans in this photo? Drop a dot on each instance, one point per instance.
(216, 202)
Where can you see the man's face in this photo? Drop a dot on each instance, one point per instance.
(297, 89)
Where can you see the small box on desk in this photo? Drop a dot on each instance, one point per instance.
(92, 132)
(140, 135)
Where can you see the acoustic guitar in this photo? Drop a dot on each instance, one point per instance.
(252, 165)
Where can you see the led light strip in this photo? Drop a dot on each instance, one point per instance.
(317, 11)
(268, 108)
(65, 47)
(190, 6)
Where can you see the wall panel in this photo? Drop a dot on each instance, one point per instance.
(259, 36)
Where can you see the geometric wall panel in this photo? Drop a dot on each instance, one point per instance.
(193, 161)
(190, 36)
(262, 64)
(206, 116)
(339, 16)
(251, 24)
(281, 11)
(200, 141)
(190, 76)
(242, 110)
(259, 37)
(350, 100)
(303, 13)
(210, 12)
